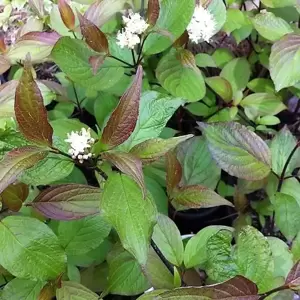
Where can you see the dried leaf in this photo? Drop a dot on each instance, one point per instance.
(30, 112)
(66, 14)
(123, 120)
(68, 202)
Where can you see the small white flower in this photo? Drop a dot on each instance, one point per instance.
(202, 25)
(80, 143)
(134, 23)
(127, 39)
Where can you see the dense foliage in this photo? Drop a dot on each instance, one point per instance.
(118, 115)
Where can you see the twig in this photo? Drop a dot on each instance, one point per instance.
(77, 99)
(122, 61)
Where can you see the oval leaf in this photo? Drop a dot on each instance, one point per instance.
(174, 172)
(30, 111)
(74, 290)
(68, 201)
(34, 244)
(153, 11)
(221, 86)
(66, 14)
(123, 120)
(237, 150)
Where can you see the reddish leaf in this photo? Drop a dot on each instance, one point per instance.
(237, 288)
(123, 120)
(14, 196)
(128, 164)
(47, 292)
(94, 37)
(16, 161)
(96, 62)
(2, 44)
(153, 11)
(66, 14)
(49, 38)
(30, 111)
(182, 40)
(174, 172)
(293, 278)
(68, 201)
(197, 196)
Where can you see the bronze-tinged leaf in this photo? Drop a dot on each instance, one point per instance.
(68, 202)
(153, 11)
(293, 278)
(67, 14)
(123, 119)
(16, 161)
(48, 291)
(30, 111)
(96, 62)
(182, 40)
(197, 196)
(128, 164)
(237, 288)
(2, 44)
(174, 172)
(94, 37)
(14, 196)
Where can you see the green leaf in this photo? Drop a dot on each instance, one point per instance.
(235, 20)
(33, 244)
(22, 289)
(155, 111)
(72, 56)
(237, 150)
(195, 253)
(222, 56)
(296, 247)
(204, 60)
(237, 73)
(125, 276)
(197, 163)
(221, 86)
(68, 201)
(167, 237)
(281, 147)
(252, 246)
(30, 112)
(279, 3)
(132, 216)
(124, 118)
(74, 290)
(218, 9)
(197, 196)
(16, 161)
(282, 256)
(154, 149)
(81, 236)
(287, 215)
(271, 27)
(262, 104)
(178, 74)
(284, 59)
(261, 85)
(174, 17)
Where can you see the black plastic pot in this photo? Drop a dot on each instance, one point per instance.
(193, 220)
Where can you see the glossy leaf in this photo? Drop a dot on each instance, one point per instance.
(197, 196)
(237, 150)
(20, 288)
(168, 240)
(174, 17)
(66, 14)
(70, 289)
(293, 278)
(124, 118)
(46, 259)
(153, 11)
(197, 163)
(15, 162)
(154, 149)
(68, 202)
(14, 196)
(174, 172)
(132, 216)
(287, 215)
(155, 111)
(237, 288)
(178, 73)
(284, 59)
(129, 164)
(30, 112)
(79, 237)
(94, 37)
(221, 86)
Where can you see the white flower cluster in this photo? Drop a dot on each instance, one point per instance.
(80, 143)
(202, 25)
(134, 26)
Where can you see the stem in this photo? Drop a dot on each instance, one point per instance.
(140, 58)
(281, 288)
(133, 57)
(77, 99)
(142, 8)
(122, 61)
(161, 256)
(74, 34)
